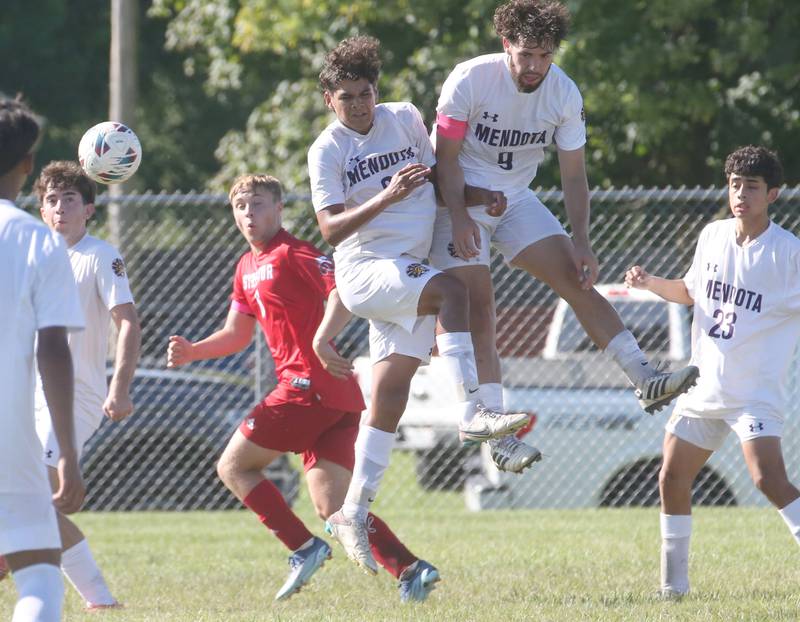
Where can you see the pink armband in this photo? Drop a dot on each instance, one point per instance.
(241, 308)
(450, 128)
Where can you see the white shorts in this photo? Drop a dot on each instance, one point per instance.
(27, 523)
(84, 428)
(385, 290)
(525, 222)
(387, 338)
(709, 433)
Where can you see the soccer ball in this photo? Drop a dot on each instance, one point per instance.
(110, 152)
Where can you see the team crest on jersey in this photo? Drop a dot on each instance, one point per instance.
(416, 270)
(451, 250)
(118, 266)
(325, 265)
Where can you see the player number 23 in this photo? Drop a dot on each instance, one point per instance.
(724, 325)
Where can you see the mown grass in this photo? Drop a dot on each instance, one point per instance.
(511, 565)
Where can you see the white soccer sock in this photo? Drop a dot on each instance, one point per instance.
(492, 395)
(41, 593)
(458, 357)
(79, 565)
(791, 516)
(625, 350)
(373, 450)
(676, 530)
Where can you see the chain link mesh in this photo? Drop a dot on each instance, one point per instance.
(598, 447)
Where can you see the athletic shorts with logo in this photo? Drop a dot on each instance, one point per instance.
(86, 423)
(710, 432)
(309, 429)
(525, 222)
(386, 291)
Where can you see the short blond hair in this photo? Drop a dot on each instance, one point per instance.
(251, 181)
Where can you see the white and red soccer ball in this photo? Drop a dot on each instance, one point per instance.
(110, 152)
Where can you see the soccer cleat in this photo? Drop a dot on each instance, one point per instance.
(417, 581)
(4, 569)
(487, 424)
(354, 537)
(660, 389)
(669, 595)
(512, 455)
(304, 563)
(93, 608)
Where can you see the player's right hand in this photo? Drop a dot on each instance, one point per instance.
(333, 362)
(71, 491)
(406, 180)
(637, 277)
(466, 235)
(178, 351)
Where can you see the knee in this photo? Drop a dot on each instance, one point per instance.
(770, 486)
(226, 470)
(451, 290)
(670, 480)
(324, 509)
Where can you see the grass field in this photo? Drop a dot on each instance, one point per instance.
(510, 565)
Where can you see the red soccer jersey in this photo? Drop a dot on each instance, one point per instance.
(285, 287)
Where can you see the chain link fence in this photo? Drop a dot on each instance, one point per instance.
(599, 448)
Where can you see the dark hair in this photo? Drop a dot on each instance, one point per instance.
(19, 131)
(64, 175)
(538, 22)
(755, 161)
(353, 59)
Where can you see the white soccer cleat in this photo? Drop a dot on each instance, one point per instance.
(354, 537)
(512, 455)
(660, 389)
(488, 424)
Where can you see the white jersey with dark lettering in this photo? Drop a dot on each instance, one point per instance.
(746, 320)
(508, 131)
(349, 168)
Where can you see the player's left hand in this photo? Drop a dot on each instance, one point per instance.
(496, 203)
(117, 407)
(585, 264)
(333, 362)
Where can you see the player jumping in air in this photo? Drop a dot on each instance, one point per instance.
(282, 284)
(744, 283)
(66, 202)
(370, 186)
(496, 115)
(38, 301)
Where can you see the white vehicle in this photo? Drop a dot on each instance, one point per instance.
(599, 447)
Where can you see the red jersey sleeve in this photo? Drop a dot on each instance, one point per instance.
(238, 299)
(315, 268)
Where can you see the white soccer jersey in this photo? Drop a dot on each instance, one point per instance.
(102, 285)
(349, 168)
(37, 290)
(746, 320)
(508, 131)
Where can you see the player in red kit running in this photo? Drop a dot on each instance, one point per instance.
(282, 283)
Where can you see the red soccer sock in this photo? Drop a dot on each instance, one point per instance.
(387, 549)
(268, 503)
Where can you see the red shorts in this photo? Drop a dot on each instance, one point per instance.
(311, 430)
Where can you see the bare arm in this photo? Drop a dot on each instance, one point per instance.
(118, 404)
(576, 201)
(337, 223)
(450, 177)
(333, 322)
(55, 368)
(673, 290)
(234, 337)
(494, 200)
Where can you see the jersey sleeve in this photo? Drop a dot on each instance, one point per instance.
(238, 299)
(455, 100)
(315, 268)
(792, 296)
(325, 172)
(55, 294)
(112, 278)
(690, 278)
(571, 132)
